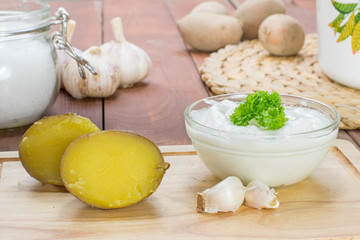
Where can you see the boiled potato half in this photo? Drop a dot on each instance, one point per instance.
(43, 144)
(112, 169)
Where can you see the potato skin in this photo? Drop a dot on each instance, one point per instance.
(281, 35)
(44, 143)
(253, 12)
(209, 32)
(211, 6)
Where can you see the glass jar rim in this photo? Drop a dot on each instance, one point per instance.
(334, 122)
(23, 16)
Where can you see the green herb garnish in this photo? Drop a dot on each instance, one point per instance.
(262, 106)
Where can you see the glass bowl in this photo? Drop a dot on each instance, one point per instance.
(275, 157)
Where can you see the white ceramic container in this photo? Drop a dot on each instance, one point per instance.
(336, 59)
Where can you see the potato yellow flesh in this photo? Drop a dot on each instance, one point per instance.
(112, 169)
(42, 146)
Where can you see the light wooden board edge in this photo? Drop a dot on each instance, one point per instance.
(347, 152)
(343, 149)
(347, 163)
(342, 146)
(174, 150)
(8, 156)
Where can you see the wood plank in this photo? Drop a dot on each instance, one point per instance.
(10, 138)
(88, 17)
(89, 107)
(8, 156)
(325, 205)
(171, 150)
(309, 5)
(153, 108)
(349, 157)
(307, 19)
(87, 33)
(355, 135)
(346, 136)
(181, 8)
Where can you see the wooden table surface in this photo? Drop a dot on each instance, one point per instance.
(153, 108)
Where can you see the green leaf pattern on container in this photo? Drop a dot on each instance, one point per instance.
(336, 22)
(355, 40)
(347, 23)
(357, 18)
(348, 29)
(344, 7)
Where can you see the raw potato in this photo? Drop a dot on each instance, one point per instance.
(211, 6)
(112, 169)
(281, 35)
(43, 144)
(253, 12)
(209, 32)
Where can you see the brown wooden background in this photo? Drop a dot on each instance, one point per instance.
(153, 108)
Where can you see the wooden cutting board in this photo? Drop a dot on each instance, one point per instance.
(325, 205)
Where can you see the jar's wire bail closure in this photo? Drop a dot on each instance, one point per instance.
(60, 42)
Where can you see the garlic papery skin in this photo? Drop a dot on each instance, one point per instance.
(104, 84)
(259, 195)
(63, 60)
(226, 196)
(132, 62)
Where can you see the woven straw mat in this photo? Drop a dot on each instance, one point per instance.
(247, 67)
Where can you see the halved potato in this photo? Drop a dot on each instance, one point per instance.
(43, 144)
(112, 169)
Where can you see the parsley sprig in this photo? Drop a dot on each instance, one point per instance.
(262, 106)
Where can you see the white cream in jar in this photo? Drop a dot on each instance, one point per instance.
(29, 80)
(276, 157)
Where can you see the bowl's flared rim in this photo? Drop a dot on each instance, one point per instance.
(333, 125)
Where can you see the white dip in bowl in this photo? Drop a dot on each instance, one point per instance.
(277, 157)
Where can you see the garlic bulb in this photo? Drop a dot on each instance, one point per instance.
(104, 84)
(63, 57)
(132, 62)
(259, 195)
(226, 196)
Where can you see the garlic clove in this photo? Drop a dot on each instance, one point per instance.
(226, 196)
(104, 84)
(132, 62)
(259, 195)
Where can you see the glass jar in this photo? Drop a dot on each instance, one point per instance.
(29, 79)
(29, 75)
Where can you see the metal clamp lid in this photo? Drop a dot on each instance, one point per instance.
(60, 42)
